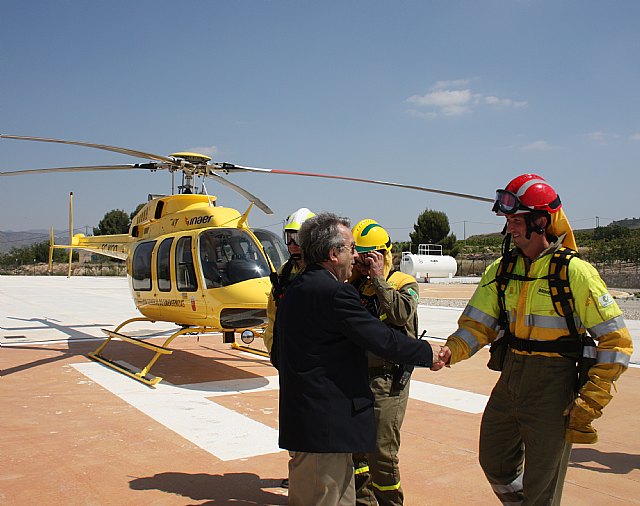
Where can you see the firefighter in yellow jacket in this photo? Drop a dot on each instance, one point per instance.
(393, 297)
(288, 271)
(540, 330)
(285, 275)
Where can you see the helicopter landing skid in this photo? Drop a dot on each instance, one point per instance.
(143, 374)
(255, 351)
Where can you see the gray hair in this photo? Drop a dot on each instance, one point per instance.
(319, 234)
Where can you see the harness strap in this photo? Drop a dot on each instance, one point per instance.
(281, 282)
(558, 278)
(564, 346)
(575, 345)
(503, 275)
(561, 295)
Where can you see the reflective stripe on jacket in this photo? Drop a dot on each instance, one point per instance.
(532, 316)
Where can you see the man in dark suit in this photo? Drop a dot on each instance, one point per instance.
(321, 337)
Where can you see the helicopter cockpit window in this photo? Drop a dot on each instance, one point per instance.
(163, 273)
(185, 271)
(230, 256)
(141, 269)
(273, 246)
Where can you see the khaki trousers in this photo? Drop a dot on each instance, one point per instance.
(523, 451)
(377, 474)
(321, 479)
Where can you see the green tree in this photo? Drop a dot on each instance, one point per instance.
(39, 252)
(115, 221)
(433, 228)
(611, 232)
(136, 211)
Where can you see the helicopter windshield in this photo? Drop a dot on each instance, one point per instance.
(229, 256)
(273, 246)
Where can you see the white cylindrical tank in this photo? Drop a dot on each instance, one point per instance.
(426, 264)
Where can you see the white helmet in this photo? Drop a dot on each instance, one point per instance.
(295, 220)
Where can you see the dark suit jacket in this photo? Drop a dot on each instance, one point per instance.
(322, 332)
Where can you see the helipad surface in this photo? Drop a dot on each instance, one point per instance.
(73, 432)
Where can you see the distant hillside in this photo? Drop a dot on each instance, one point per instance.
(628, 223)
(632, 223)
(10, 240)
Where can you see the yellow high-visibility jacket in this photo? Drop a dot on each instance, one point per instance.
(267, 337)
(532, 316)
(398, 298)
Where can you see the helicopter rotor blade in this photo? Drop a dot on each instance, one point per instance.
(90, 168)
(115, 149)
(229, 168)
(246, 194)
(173, 164)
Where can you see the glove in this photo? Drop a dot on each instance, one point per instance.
(593, 397)
(580, 430)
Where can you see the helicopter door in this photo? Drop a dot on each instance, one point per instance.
(163, 266)
(141, 267)
(186, 280)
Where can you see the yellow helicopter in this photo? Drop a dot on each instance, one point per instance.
(190, 261)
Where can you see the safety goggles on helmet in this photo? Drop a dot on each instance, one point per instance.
(290, 237)
(363, 255)
(508, 203)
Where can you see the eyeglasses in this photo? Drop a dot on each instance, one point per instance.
(508, 203)
(352, 247)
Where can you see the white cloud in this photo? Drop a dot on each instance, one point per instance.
(209, 151)
(601, 137)
(537, 146)
(504, 102)
(605, 138)
(455, 98)
(450, 102)
(456, 83)
(597, 136)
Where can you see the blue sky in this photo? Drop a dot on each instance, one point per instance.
(455, 95)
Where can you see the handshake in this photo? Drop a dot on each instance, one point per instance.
(441, 357)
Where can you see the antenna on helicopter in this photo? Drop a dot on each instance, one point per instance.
(204, 190)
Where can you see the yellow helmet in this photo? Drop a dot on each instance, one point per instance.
(369, 236)
(295, 220)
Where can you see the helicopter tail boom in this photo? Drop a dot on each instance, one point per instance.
(114, 246)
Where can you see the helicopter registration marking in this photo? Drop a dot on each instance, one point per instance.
(113, 248)
(161, 302)
(189, 411)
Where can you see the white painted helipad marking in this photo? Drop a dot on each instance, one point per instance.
(453, 398)
(189, 411)
(186, 410)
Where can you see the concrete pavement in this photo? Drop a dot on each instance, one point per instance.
(73, 432)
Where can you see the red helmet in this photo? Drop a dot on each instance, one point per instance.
(526, 193)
